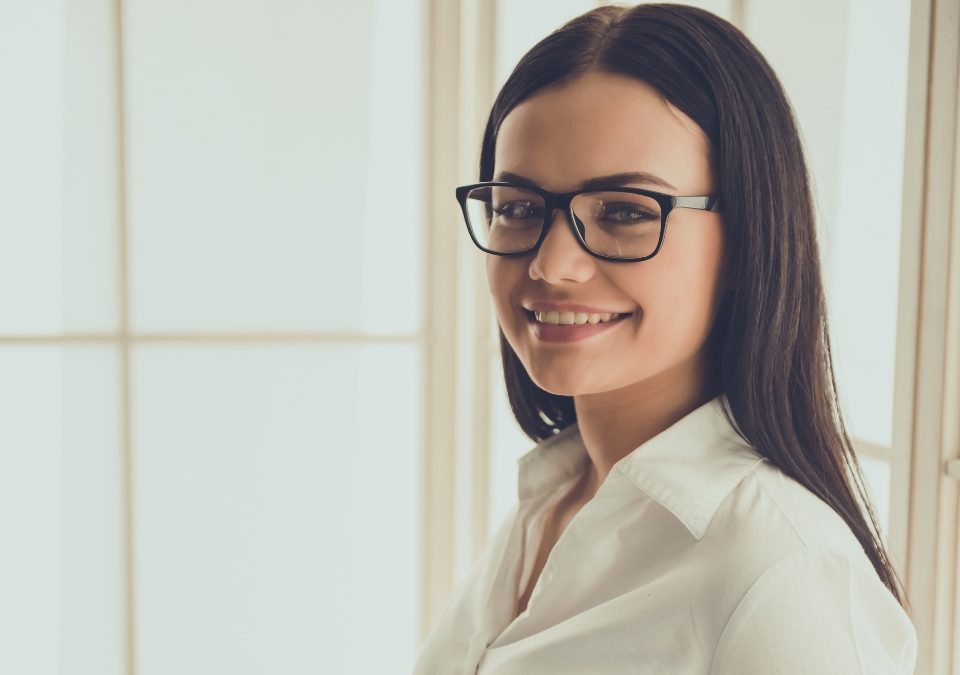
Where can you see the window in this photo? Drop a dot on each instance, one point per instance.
(212, 335)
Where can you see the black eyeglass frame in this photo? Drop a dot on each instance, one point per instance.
(555, 200)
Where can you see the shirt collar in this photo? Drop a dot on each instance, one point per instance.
(689, 467)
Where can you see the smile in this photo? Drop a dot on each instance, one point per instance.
(574, 318)
(565, 328)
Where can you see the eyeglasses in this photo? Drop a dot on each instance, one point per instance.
(620, 224)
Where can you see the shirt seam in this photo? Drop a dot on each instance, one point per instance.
(804, 545)
(763, 575)
(783, 511)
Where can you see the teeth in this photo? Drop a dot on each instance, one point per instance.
(568, 318)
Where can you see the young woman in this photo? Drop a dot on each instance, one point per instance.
(693, 503)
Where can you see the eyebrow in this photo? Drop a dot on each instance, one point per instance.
(613, 180)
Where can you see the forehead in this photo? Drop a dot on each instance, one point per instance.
(600, 124)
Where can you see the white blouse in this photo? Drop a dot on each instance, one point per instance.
(695, 555)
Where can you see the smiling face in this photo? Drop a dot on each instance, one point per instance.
(601, 124)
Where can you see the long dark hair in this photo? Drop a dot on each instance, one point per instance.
(770, 337)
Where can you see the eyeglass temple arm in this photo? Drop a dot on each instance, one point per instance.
(708, 203)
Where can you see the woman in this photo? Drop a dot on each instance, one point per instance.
(693, 504)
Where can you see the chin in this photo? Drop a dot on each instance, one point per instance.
(560, 386)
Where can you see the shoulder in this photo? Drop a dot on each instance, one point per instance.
(769, 515)
(807, 597)
(817, 611)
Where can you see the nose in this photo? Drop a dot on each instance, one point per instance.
(560, 256)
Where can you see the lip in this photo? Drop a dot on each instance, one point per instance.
(571, 332)
(570, 307)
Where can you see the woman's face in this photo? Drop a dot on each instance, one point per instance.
(597, 125)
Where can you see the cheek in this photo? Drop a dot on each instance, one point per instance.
(682, 305)
(675, 291)
(495, 279)
(504, 277)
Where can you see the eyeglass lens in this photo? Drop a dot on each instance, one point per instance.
(619, 224)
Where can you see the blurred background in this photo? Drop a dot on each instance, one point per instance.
(252, 416)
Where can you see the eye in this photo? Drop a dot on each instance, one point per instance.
(518, 209)
(626, 214)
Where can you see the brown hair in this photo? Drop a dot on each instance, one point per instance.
(770, 340)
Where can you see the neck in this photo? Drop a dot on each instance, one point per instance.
(614, 423)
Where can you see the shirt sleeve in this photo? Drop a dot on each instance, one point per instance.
(816, 611)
